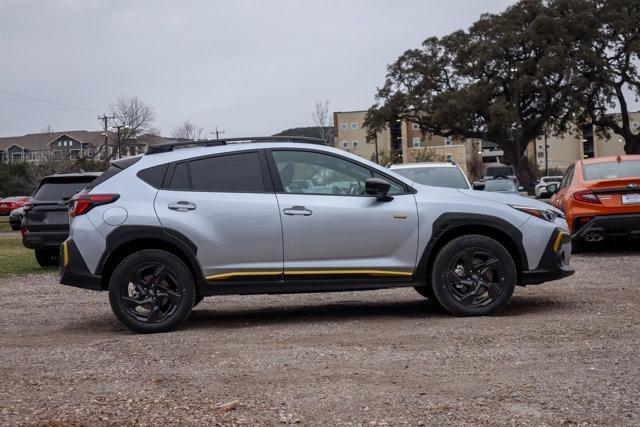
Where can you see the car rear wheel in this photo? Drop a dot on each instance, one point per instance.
(473, 276)
(46, 258)
(151, 291)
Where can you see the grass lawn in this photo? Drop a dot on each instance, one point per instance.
(15, 259)
(4, 224)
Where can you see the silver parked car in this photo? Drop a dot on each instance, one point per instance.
(187, 220)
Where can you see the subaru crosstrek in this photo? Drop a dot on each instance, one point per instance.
(187, 220)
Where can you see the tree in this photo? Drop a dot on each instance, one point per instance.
(188, 130)
(502, 80)
(131, 117)
(322, 119)
(608, 59)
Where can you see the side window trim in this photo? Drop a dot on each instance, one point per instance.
(277, 183)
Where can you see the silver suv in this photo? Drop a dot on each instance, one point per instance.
(189, 220)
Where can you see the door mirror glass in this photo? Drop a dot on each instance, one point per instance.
(478, 185)
(378, 188)
(552, 188)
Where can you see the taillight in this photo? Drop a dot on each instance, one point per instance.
(82, 203)
(586, 196)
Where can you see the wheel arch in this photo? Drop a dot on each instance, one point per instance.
(126, 240)
(452, 225)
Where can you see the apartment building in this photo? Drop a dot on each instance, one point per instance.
(581, 143)
(400, 142)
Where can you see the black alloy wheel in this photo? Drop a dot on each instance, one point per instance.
(473, 275)
(152, 294)
(152, 291)
(476, 277)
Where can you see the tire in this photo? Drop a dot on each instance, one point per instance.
(46, 258)
(151, 291)
(480, 290)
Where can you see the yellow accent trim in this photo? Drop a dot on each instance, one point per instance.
(556, 245)
(371, 272)
(65, 254)
(243, 273)
(308, 272)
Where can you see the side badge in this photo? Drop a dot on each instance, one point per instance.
(400, 216)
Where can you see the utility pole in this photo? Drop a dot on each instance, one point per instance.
(546, 154)
(105, 135)
(217, 132)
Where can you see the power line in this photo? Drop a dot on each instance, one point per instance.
(52, 107)
(46, 101)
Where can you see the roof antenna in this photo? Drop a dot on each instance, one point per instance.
(618, 159)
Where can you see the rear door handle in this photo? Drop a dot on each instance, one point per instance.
(297, 210)
(182, 206)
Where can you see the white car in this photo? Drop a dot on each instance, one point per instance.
(541, 186)
(436, 174)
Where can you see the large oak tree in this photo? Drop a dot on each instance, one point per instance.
(505, 80)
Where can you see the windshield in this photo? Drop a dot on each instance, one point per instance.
(499, 171)
(59, 190)
(612, 170)
(502, 185)
(449, 177)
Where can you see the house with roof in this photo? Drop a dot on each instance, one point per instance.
(71, 145)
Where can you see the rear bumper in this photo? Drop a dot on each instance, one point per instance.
(44, 239)
(74, 271)
(554, 264)
(610, 226)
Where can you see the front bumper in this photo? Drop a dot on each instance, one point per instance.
(610, 226)
(554, 263)
(73, 269)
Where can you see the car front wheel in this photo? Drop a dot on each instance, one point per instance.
(151, 291)
(473, 275)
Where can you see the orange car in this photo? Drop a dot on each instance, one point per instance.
(601, 198)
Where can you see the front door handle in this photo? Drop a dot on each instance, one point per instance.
(182, 206)
(297, 210)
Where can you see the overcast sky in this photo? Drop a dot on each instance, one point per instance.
(247, 66)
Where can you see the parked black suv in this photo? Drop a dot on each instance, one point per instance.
(46, 222)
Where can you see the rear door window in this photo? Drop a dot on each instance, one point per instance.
(233, 173)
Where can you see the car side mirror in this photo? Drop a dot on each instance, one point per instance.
(478, 185)
(378, 188)
(520, 188)
(552, 188)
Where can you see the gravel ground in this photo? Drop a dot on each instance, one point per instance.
(564, 352)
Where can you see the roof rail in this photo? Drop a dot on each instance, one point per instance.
(169, 146)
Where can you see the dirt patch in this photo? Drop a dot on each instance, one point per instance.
(564, 352)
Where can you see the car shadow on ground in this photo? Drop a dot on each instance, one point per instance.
(610, 248)
(207, 316)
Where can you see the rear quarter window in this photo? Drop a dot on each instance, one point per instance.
(154, 176)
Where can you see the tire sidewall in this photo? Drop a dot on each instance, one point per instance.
(183, 275)
(441, 264)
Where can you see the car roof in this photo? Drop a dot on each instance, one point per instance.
(609, 159)
(424, 164)
(191, 152)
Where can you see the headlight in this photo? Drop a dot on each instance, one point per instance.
(546, 214)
